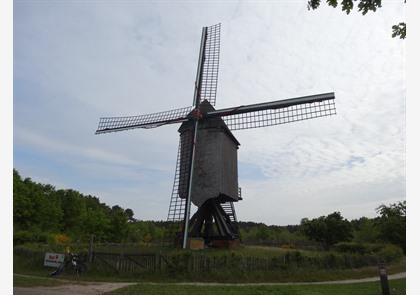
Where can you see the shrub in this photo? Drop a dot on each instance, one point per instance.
(61, 239)
(288, 246)
(359, 248)
(390, 253)
(351, 247)
(24, 236)
(21, 237)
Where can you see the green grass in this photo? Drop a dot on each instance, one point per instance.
(397, 288)
(260, 277)
(29, 281)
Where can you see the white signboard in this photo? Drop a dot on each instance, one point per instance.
(53, 259)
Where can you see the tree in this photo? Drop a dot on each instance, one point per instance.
(263, 233)
(74, 211)
(35, 207)
(96, 222)
(129, 212)
(391, 223)
(365, 230)
(364, 6)
(40, 210)
(119, 224)
(328, 230)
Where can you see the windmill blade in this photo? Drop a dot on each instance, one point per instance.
(114, 124)
(210, 64)
(277, 112)
(181, 179)
(177, 204)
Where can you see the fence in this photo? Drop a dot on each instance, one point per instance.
(201, 262)
(138, 263)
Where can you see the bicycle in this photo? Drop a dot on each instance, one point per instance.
(74, 261)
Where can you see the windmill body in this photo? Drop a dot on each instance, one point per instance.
(215, 162)
(206, 173)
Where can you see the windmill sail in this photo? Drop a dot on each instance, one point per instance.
(177, 204)
(113, 124)
(210, 66)
(277, 112)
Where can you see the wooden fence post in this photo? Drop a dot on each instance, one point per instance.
(90, 254)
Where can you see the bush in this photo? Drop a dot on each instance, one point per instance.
(24, 236)
(21, 237)
(359, 248)
(351, 247)
(390, 253)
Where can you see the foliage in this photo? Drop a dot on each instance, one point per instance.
(399, 30)
(129, 212)
(351, 247)
(383, 251)
(392, 223)
(61, 239)
(364, 7)
(327, 230)
(39, 210)
(365, 230)
(390, 253)
(41, 213)
(26, 236)
(274, 235)
(347, 5)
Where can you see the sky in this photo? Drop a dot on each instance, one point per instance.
(77, 61)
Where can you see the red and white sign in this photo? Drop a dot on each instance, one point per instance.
(53, 259)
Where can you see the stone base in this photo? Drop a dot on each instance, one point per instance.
(195, 243)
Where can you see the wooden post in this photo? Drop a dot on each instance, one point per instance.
(160, 262)
(90, 254)
(384, 279)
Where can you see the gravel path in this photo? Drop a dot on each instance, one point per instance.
(94, 288)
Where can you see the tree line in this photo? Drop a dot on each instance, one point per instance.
(41, 212)
(388, 227)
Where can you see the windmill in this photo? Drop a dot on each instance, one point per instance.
(206, 172)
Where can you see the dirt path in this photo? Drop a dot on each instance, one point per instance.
(71, 289)
(91, 288)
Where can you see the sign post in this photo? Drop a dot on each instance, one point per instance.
(53, 259)
(384, 279)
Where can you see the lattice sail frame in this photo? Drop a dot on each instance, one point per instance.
(113, 124)
(270, 117)
(182, 171)
(177, 204)
(210, 68)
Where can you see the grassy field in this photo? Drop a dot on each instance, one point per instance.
(29, 281)
(397, 288)
(256, 277)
